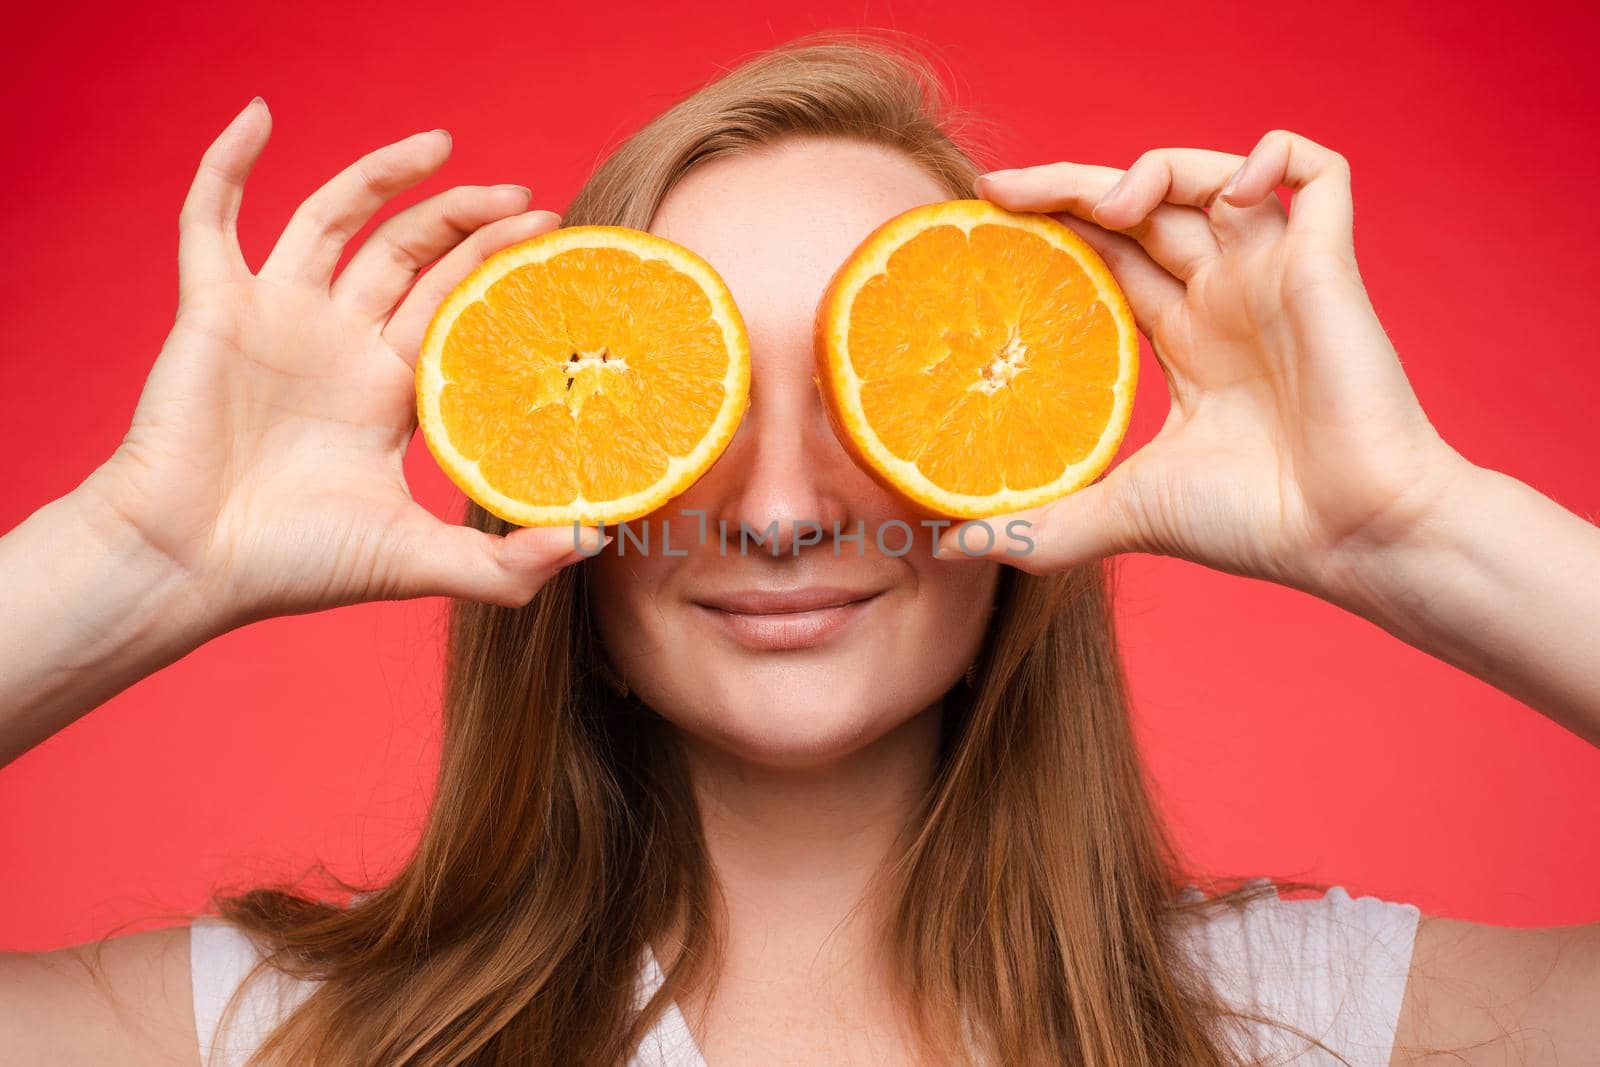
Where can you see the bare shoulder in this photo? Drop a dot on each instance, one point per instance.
(124, 1000)
(1481, 995)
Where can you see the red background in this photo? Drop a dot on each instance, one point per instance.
(1288, 738)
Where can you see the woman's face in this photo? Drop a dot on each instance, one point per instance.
(788, 653)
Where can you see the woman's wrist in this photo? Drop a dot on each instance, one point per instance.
(1374, 572)
(91, 607)
(1492, 577)
(179, 603)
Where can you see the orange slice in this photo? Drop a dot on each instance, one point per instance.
(977, 361)
(589, 374)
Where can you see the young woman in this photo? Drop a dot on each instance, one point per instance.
(810, 807)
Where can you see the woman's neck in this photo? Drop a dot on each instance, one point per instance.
(797, 852)
(796, 848)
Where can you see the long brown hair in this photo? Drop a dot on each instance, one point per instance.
(1033, 904)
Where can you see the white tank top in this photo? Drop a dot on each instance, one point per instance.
(1333, 967)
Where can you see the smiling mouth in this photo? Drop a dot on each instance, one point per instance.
(772, 623)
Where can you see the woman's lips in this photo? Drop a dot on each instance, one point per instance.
(770, 631)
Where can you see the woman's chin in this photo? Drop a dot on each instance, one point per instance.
(792, 736)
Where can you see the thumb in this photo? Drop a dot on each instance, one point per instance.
(1085, 525)
(444, 559)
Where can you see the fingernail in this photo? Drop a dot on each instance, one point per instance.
(999, 175)
(590, 540)
(447, 138)
(1227, 190)
(256, 100)
(523, 189)
(579, 554)
(1112, 193)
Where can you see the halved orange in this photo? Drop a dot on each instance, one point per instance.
(589, 374)
(977, 361)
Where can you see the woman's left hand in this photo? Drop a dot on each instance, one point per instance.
(1294, 440)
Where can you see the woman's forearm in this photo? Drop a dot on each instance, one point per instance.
(1500, 581)
(89, 609)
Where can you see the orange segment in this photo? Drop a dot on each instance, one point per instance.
(976, 361)
(589, 374)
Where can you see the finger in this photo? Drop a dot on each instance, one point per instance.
(311, 243)
(410, 320)
(1191, 176)
(1152, 292)
(208, 237)
(1318, 177)
(1082, 526)
(1178, 238)
(443, 559)
(387, 262)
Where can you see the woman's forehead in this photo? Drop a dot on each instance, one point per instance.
(777, 221)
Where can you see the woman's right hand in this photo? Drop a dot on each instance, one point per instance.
(265, 455)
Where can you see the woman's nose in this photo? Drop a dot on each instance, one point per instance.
(784, 478)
